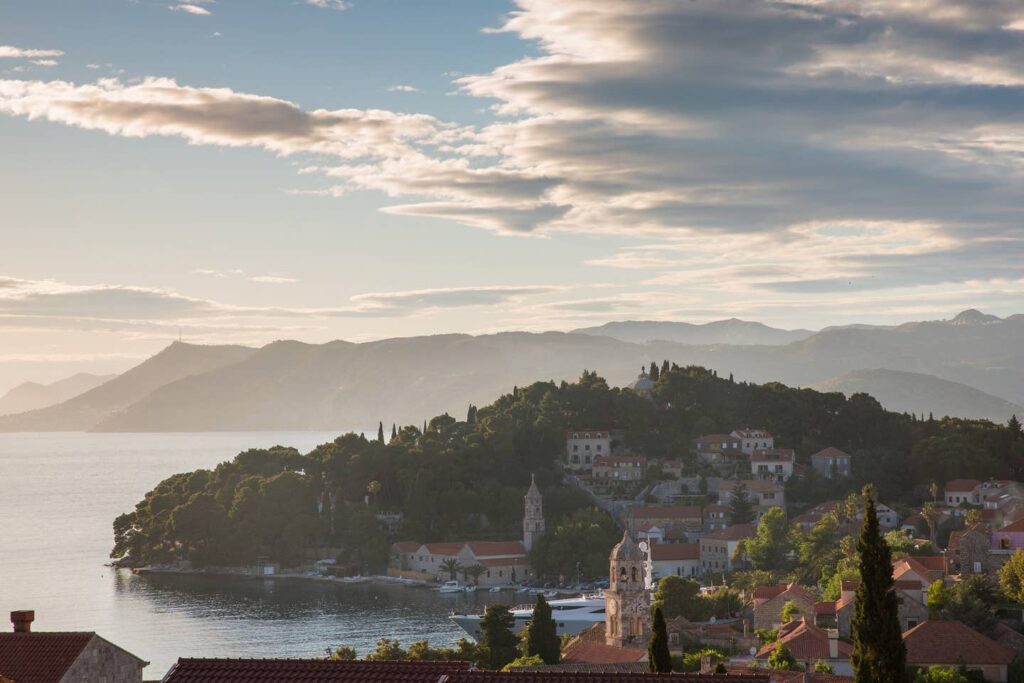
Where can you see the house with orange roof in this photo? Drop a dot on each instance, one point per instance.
(923, 569)
(768, 602)
(718, 547)
(675, 559)
(969, 551)
(960, 491)
(911, 606)
(810, 643)
(953, 643)
(774, 464)
(678, 522)
(590, 647)
(832, 463)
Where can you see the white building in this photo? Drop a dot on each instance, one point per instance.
(675, 559)
(582, 446)
(752, 439)
(774, 464)
(718, 547)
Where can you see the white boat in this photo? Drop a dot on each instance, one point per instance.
(450, 587)
(571, 615)
(470, 589)
(495, 589)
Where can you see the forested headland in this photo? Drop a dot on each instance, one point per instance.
(464, 479)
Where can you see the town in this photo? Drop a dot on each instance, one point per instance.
(730, 559)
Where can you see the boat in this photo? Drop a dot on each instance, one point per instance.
(470, 589)
(495, 589)
(450, 587)
(571, 615)
(549, 595)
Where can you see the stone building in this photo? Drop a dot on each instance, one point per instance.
(63, 657)
(769, 601)
(533, 515)
(968, 552)
(627, 600)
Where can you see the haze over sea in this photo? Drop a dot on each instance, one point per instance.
(59, 493)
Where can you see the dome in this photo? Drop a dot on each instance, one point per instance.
(627, 549)
(643, 384)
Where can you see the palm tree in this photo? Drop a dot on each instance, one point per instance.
(934, 490)
(452, 566)
(473, 572)
(932, 515)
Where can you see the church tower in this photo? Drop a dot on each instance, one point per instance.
(533, 517)
(627, 603)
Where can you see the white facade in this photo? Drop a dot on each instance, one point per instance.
(581, 447)
(753, 439)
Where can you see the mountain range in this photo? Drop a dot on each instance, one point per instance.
(971, 365)
(31, 395)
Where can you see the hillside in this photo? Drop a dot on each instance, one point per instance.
(733, 332)
(293, 385)
(909, 392)
(85, 411)
(33, 395)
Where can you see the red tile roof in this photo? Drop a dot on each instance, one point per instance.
(40, 657)
(505, 562)
(531, 675)
(824, 608)
(1016, 527)
(773, 455)
(406, 546)
(830, 452)
(675, 551)
(794, 589)
(735, 532)
(664, 512)
(806, 642)
(952, 642)
(961, 485)
(451, 549)
(493, 548)
(307, 671)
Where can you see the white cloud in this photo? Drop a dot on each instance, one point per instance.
(340, 5)
(190, 9)
(273, 279)
(403, 88)
(9, 51)
(45, 62)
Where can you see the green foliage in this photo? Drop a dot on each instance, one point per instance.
(766, 635)
(938, 595)
(973, 601)
(586, 536)
(902, 545)
(1011, 577)
(822, 667)
(690, 660)
(387, 650)
(540, 637)
(524, 661)
(782, 659)
(658, 656)
(741, 507)
(939, 674)
(497, 641)
(817, 550)
(772, 543)
(343, 653)
(790, 611)
(678, 597)
(878, 650)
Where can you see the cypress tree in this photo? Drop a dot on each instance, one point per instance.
(541, 634)
(879, 654)
(1014, 427)
(658, 656)
(653, 372)
(380, 432)
(664, 367)
(394, 430)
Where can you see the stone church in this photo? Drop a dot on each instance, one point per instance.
(627, 599)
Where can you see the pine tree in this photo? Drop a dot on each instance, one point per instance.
(471, 414)
(1014, 427)
(658, 656)
(394, 431)
(380, 432)
(879, 655)
(653, 372)
(541, 634)
(741, 510)
(664, 367)
(497, 641)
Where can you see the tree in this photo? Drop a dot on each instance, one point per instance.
(452, 566)
(973, 601)
(822, 667)
(770, 547)
(741, 509)
(523, 662)
(782, 659)
(678, 597)
(972, 518)
(474, 572)
(879, 654)
(497, 641)
(653, 372)
(938, 596)
(790, 611)
(387, 650)
(540, 637)
(380, 432)
(940, 674)
(932, 515)
(394, 431)
(1011, 577)
(343, 653)
(658, 656)
(1014, 427)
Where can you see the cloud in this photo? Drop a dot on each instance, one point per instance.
(190, 9)
(45, 62)
(273, 279)
(9, 51)
(340, 5)
(403, 88)
(239, 273)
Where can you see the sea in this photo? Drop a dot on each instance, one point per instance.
(59, 493)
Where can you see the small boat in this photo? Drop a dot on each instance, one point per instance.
(496, 589)
(470, 589)
(450, 587)
(551, 594)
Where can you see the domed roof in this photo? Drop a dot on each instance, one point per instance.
(643, 383)
(627, 549)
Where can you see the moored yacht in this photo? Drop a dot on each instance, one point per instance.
(571, 615)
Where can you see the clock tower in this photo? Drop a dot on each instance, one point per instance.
(627, 602)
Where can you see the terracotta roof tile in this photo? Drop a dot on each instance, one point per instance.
(307, 671)
(830, 452)
(492, 548)
(1016, 527)
(447, 549)
(531, 675)
(406, 546)
(950, 642)
(675, 551)
(40, 657)
(806, 642)
(732, 533)
(961, 485)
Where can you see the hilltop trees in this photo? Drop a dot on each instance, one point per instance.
(879, 655)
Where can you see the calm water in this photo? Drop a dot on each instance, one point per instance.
(58, 496)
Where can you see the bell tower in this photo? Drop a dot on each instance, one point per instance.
(533, 516)
(627, 601)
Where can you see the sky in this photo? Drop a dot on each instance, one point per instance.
(240, 171)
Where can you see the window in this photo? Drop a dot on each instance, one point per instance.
(575, 447)
(911, 623)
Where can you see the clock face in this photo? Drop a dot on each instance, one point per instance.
(636, 608)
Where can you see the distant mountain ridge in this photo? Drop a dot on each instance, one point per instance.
(32, 395)
(734, 332)
(288, 385)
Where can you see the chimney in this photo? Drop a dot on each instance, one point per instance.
(833, 643)
(22, 620)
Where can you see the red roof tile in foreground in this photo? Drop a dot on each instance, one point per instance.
(40, 657)
(307, 671)
(533, 676)
(807, 642)
(952, 642)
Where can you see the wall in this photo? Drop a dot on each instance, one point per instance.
(102, 662)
